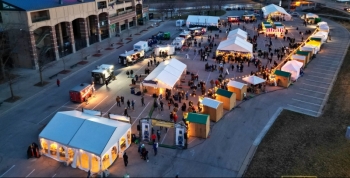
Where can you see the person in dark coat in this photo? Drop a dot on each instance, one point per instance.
(125, 159)
(58, 82)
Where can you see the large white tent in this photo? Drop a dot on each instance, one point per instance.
(238, 32)
(202, 20)
(86, 141)
(275, 10)
(236, 44)
(293, 67)
(165, 75)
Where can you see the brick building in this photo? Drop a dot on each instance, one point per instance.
(51, 29)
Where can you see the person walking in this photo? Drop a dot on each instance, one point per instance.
(155, 148)
(128, 104)
(122, 99)
(169, 104)
(153, 137)
(89, 174)
(133, 104)
(158, 135)
(126, 112)
(161, 105)
(58, 82)
(142, 101)
(125, 158)
(106, 83)
(118, 101)
(186, 95)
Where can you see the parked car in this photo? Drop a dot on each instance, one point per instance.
(228, 9)
(294, 14)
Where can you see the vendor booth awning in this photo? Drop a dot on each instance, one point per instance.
(235, 84)
(311, 15)
(238, 32)
(273, 9)
(236, 44)
(202, 20)
(211, 102)
(292, 67)
(253, 80)
(324, 28)
(166, 74)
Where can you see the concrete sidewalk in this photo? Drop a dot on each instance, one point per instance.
(27, 78)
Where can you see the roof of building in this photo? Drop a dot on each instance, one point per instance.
(30, 5)
(282, 73)
(197, 118)
(224, 93)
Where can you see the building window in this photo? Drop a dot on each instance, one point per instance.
(40, 16)
(128, 9)
(0, 17)
(102, 5)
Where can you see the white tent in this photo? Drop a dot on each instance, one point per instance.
(293, 67)
(238, 32)
(273, 9)
(324, 28)
(322, 23)
(166, 74)
(235, 84)
(253, 80)
(321, 34)
(309, 48)
(311, 15)
(236, 44)
(202, 20)
(86, 141)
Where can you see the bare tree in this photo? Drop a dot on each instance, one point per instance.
(44, 62)
(162, 9)
(170, 8)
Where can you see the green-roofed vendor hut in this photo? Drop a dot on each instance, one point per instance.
(308, 55)
(227, 97)
(198, 125)
(283, 78)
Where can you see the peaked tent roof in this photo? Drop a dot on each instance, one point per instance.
(167, 73)
(197, 118)
(211, 103)
(273, 8)
(292, 66)
(236, 84)
(83, 131)
(253, 79)
(238, 32)
(236, 44)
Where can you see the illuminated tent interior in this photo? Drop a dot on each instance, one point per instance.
(164, 76)
(85, 141)
(274, 10)
(293, 67)
(235, 45)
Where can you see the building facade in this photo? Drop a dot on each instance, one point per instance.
(47, 30)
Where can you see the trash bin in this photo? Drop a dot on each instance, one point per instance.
(132, 90)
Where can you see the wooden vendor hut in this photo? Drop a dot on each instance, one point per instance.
(283, 78)
(238, 88)
(213, 108)
(227, 97)
(198, 125)
(300, 58)
(308, 55)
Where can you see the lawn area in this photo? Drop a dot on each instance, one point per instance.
(303, 145)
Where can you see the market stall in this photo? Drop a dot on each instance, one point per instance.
(300, 58)
(165, 76)
(308, 55)
(238, 32)
(212, 22)
(238, 88)
(283, 78)
(274, 11)
(213, 108)
(236, 47)
(312, 18)
(198, 125)
(226, 97)
(273, 28)
(85, 141)
(164, 50)
(312, 49)
(323, 28)
(254, 80)
(293, 67)
(315, 43)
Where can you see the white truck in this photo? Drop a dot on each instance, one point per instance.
(178, 42)
(103, 73)
(180, 23)
(142, 45)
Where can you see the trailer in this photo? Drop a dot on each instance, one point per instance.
(142, 45)
(81, 93)
(197, 31)
(164, 50)
(178, 42)
(103, 73)
(131, 57)
(180, 23)
(185, 34)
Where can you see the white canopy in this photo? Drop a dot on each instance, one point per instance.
(253, 80)
(202, 20)
(235, 84)
(324, 27)
(211, 102)
(311, 15)
(322, 23)
(236, 44)
(166, 74)
(322, 34)
(238, 32)
(267, 10)
(293, 67)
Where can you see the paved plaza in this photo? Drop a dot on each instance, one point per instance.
(224, 153)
